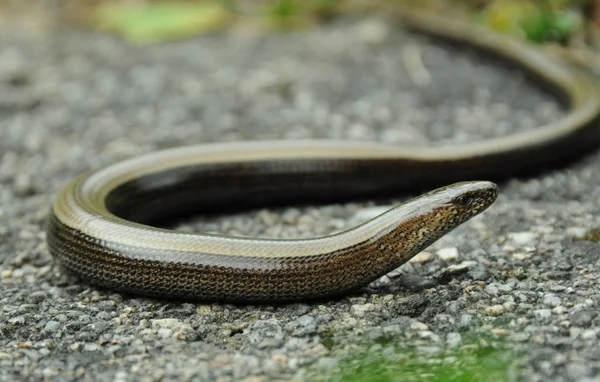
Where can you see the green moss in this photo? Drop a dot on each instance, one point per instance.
(476, 360)
(327, 338)
(498, 274)
(592, 235)
(520, 273)
(541, 21)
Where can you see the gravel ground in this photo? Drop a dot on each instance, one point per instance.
(512, 279)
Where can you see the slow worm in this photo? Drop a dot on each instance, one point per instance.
(101, 225)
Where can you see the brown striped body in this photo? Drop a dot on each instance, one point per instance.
(101, 225)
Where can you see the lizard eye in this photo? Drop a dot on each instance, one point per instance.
(463, 200)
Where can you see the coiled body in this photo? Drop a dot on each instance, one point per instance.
(100, 226)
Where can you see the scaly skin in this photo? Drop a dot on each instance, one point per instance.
(100, 226)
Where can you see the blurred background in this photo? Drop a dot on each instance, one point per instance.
(571, 22)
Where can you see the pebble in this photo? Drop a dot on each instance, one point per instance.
(495, 310)
(453, 339)
(465, 320)
(589, 335)
(552, 300)
(165, 323)
(51, 326)
(577, 371)
(448, 254)
(583, 318)
(543, 313)
(37, 297)
(422, 258)
(492, 290)
(576, 232)
(361, 310)
(418, 326)
(165, 333)
(523, 238)
(265, 333)
(519, 337)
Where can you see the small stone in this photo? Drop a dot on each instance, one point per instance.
(24, 185)
(417, 326)
(19, 320)
(203, 309)
(448, 254)
(361, 310)
(520, 256)
(6, 274)
(383, 280)
(305, 320)
(495, 310)
(165, 323)
(51, 326)
(465, 320)
(448, 273)
(479, 272)
(326, 363)
(551, 300)
(221, 360)
(576, 232)
(545, 229)
(575, 332)
(499, 331)
(265, 333)
(523, 238)
(492, 290)
(522, 321)
(85, 318)
(104, 316)
(519, 337)
(429, 335)
(509, 306)
(422, 258)
(37, 297)
(453, 339)
(185, 332)
(578, 371)
(165, 333)
(319, 350)
(589, 334)
(91, 347)
(542, 313)
(559, 309)
(583, 318)
(25, 308)
(280, 359)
